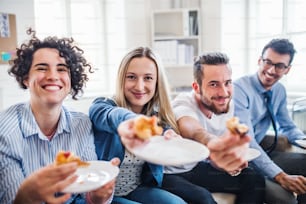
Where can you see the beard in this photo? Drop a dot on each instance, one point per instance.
(208, 104)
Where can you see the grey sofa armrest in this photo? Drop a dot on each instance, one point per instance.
(282, 143)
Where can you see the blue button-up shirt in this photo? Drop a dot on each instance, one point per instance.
(250, 107)
(24, 149)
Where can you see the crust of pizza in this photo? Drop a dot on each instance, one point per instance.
(146, 127)
(235, 127)
(64, 157)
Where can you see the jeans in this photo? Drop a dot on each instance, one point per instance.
(149, 195)
(275, 194)
(195, 186)
(292, 163)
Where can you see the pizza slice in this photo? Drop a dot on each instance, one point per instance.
(146, 127)
(235, 127)
(64, 157)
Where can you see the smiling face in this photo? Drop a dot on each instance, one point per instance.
(140, 82)
(267, 74)
(215, 93)
(49, 78)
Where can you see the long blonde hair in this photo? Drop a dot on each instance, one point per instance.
(160, 100)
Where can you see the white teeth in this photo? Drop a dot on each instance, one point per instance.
(52, 88)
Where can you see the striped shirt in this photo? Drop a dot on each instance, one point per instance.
(24, 148)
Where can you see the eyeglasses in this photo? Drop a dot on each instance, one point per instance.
(279, 67)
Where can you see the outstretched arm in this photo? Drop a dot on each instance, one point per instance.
(224, 150)
(106, 115)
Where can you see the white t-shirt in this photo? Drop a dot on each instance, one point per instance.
(185, 105)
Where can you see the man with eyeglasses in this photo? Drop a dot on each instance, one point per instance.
(284, 168)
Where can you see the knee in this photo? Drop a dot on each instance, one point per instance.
(209, 199)
(259, 180)
(169, 198)
(276, 194)
(175, 200)
(255, 179)
(202, 196)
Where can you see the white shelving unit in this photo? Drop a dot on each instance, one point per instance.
(176, 37)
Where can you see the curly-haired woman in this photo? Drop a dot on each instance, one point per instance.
(33, 132)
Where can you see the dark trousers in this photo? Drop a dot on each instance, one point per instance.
(293, 164)
(195, 186)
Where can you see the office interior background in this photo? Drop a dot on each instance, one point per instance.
(107, 29)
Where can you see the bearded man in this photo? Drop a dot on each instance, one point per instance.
(201, 116)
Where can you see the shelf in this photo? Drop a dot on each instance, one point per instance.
(177, 22)
(176, 38)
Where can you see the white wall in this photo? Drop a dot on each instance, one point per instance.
(211, 25)
(128, 26)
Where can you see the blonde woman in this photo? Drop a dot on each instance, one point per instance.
(141, 89)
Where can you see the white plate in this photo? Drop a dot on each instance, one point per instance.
(252, 154)
(92, 177)
(301, 142)
(171, 152)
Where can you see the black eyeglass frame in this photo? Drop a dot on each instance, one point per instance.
(280, 67)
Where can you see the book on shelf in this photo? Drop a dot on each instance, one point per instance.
(193, 23)
(173, 52)
(186, 23)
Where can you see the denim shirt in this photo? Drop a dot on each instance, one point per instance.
(106, 117)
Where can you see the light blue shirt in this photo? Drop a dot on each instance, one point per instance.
(250, 107)
(24, 149)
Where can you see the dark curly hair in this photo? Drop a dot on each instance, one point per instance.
(73, 56)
